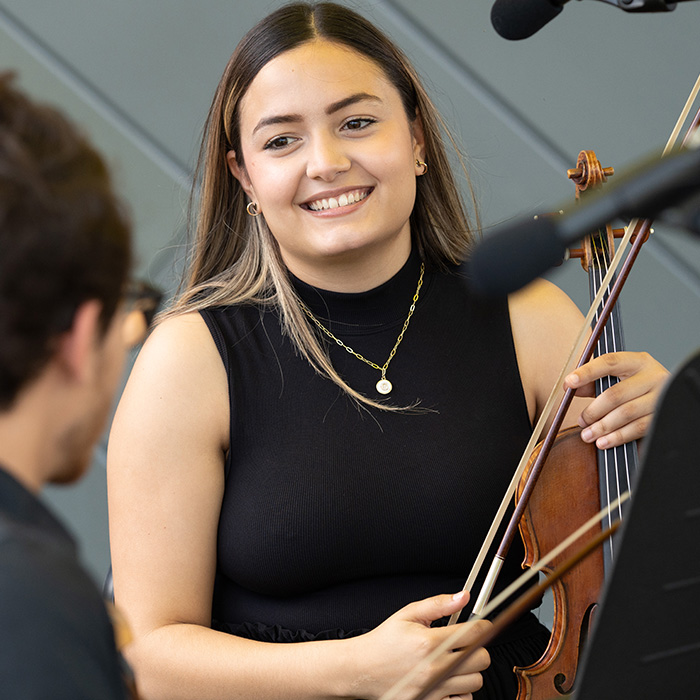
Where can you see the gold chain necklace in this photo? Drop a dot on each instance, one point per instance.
(384, 386)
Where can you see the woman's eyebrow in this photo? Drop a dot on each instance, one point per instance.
(277, 119)
(351, 100)
(331, 109)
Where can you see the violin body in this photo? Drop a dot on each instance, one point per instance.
(565, 498)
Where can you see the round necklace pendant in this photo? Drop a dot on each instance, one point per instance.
(384, 386)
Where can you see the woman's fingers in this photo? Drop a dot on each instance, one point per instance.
(406, 655)
(465, 678)
(623, 411)
(429, 610)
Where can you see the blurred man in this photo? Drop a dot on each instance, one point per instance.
(64, 261)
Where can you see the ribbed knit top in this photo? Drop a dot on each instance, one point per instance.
(334, 516)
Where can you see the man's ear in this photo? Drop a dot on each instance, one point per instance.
(75, 352)
(239, 172)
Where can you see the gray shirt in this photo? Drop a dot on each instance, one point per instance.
(56, 638)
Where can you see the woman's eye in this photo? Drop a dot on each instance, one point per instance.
(278, 143)
(358, 123)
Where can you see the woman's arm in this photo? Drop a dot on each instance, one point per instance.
(165, 479)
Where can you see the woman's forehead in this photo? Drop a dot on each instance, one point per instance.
(315, 75)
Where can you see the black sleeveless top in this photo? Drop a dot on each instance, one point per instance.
(335, 516)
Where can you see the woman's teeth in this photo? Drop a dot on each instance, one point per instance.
(335, 203)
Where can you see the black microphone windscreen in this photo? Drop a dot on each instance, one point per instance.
(520, 19)
(513, 256)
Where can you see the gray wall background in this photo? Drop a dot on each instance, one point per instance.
(138, 75)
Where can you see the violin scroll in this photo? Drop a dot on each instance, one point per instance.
(588, 174)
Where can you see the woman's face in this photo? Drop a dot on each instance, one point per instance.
(329, 156)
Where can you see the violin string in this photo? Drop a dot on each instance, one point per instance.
(609, 339)
(616, 333)
(601, 350)
(607, 336)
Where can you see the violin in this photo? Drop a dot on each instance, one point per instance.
(547, 511)
(578, 481)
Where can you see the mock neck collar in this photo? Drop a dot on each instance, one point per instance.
(388, 303)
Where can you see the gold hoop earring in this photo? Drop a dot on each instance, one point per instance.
(422, 164)
(252, 208)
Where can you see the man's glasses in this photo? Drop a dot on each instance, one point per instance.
(141, 302)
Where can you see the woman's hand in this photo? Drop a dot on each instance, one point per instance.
(391, 651)
(624, 411)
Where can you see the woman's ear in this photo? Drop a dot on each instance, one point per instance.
(239, 172)
(418, 137)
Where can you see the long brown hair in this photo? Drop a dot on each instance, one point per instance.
(234, 257)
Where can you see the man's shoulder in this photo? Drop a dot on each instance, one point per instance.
(40, 575)
(27, 549)
(55, 633)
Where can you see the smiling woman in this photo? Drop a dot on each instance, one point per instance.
(311, 445)
(329, 156)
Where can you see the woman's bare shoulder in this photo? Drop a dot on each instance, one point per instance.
(542, 303)
(181, 344)
(178, 379)
(182, 334)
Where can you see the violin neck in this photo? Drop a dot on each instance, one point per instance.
(617, 466)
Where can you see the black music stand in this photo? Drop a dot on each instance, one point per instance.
(646, 638)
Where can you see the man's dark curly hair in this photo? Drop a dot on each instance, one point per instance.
(64, 238)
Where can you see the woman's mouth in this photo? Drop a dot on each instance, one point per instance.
(344, 200)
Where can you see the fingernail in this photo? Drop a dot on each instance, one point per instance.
(458, 596)
(602, 443)
(572, 380)
(587, 434)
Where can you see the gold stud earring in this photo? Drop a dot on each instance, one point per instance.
(422, 164)
(253, 208)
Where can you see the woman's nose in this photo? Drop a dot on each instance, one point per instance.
(327, 158)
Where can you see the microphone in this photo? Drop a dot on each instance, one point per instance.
(520, 19)
(516, 253)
